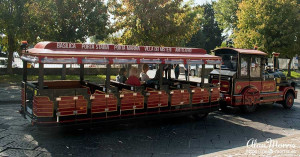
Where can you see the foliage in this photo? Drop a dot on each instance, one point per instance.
(48, 20)
(225, 12)
(155, 22)
(12, 15)
(271, 25)
(69, 20)
(294, 74)
(210, 35)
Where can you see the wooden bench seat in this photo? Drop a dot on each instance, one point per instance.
(42, 106)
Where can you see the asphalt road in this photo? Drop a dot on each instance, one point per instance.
(182, 137)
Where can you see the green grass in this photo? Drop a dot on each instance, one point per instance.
(18, 78)
(294, 74)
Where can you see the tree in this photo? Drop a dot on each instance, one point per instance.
(154, 22)
(210, 35)
(59, 20)
(273, 26)
(12, 17)
(69, 20)
(225, 12)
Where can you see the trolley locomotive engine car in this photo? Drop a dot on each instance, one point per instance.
(247, 82)
(64, 102)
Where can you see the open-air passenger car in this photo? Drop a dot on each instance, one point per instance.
(67, 102)
(247, 82)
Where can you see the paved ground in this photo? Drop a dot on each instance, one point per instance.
(186, 137)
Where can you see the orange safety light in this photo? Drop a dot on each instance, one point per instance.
(24, 42)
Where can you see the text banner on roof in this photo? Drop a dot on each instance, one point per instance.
(65, 45)
(59, 52)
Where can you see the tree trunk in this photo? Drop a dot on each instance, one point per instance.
(11, 44)
(289, 67)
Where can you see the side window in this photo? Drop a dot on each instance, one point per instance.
(244, 67)
(255, 68)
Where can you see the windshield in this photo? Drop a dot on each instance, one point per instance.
(229, 59)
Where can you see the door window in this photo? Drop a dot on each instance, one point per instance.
(244, 67)
(255, 68)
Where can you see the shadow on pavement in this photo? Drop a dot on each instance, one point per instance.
(182, 136)
(168, 137)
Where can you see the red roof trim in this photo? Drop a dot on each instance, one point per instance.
(246, 51)
(72, 50)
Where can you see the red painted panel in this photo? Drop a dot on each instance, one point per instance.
(268, 86)
(239, 86)
(45, 105)
(256, 84)
(131, 100)
(47, 110)
(224, 85)
(103, 102)
(42, 106)
(200, 95)
(66, 113)
(180, 97)
(215, 94)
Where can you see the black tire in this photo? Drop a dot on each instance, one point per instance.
(248, 108)
(289, 100)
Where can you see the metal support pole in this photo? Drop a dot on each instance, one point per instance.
(188, 75)
(41, 76)
(24, 71)
(161, 70)
(81, 72)
(220, 76)
(202, 74)
(197, 70)
(169, 72)
(63, 72)
(128, 70)
(107, 80)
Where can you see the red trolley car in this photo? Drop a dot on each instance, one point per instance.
(65, 102)
(246, 81)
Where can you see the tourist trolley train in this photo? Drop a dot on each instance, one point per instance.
(246, 81)
(62, 102)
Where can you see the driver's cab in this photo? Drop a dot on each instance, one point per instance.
(241, 69)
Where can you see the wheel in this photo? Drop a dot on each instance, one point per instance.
(248, 108)
(200, 116)
(289, 100)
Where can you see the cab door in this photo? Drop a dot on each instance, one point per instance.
(249, 82)
(255, 72)
(243, 79)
